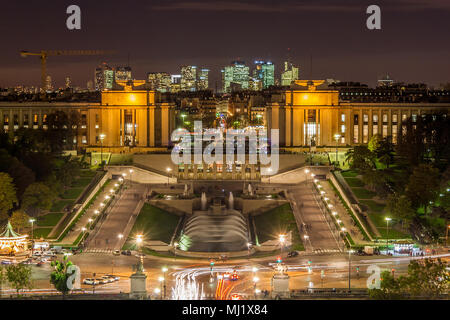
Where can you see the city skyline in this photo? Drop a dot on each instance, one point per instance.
(259, 30)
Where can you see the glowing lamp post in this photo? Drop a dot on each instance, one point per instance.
(164, 270)
(282, 239)
(337, 136)
(32, 221)
(102, 137)
(387, 232)
(168, 174)
(255, 281)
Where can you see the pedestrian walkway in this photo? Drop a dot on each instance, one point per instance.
(90, 213)
(344, 216)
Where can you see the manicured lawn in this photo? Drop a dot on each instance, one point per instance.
(50, 219)
(120, 159)
(363, 193)
(72, 193)
(41, 232)
(374, 206)
(154, 224)
(81, 182)
(59, 205)
(354, 182)
(87, 173)
(349, 173)
(275, 222)
(379, 220)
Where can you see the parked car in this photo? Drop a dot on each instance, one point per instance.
(116, 252)
(90, 281)
(115, 278)
(101, 281)
(107, 279)
(6, 262)
(126, 252)
(292, 254)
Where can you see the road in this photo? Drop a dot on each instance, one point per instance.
(320, 237)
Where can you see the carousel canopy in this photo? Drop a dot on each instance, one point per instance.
(8, 232)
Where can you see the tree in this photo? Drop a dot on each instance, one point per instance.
(19, 276)
(58, 278)
(401, 207)
(361, 158)
(7, 195)
(423, 186)
(19, 220)
(427, 278)
(390, 288)
(374, 142)
(37, 197)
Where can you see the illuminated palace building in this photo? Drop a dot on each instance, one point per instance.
(312, 114)
(133, 117)
(128, 118)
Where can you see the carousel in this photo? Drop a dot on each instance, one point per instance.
(12, 243)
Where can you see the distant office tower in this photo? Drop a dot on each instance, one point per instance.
(202, 80)
(104, 77)
(159, 81)
(235, 76)
(68, 83)
(175, 82)
(48, 84)
(90, 85)
(188, 78)
(289, 74)
(123, 74)
(265, 73)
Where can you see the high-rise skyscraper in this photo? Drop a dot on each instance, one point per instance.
(235, 76)
(48, 84)
(188, 78)
(202, 80)
(123, 74)
(175, 82)
(104, 77)
(289, 74)
(68, 83)
(265, 73)
(159, 81)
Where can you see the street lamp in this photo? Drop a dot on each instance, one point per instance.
(176, 244)
(131, 177)
(157, 291)
(139, 241)
(161, 280)
(32, 220)
(306, 175)
(249, 245)
(336, 137)
(282, 239)
(387, 233)
(349, 269)
(255, 281)
(102, 137)
(164, 270)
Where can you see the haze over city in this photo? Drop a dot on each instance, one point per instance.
(163, 35)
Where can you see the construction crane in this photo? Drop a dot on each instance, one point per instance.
(44, 54)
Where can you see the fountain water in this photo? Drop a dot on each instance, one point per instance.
(231, 201)
(203, 201)
(250, 189)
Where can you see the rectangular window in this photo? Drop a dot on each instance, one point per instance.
(394, 133)
(342, 140)
(385, 131)
(394, 118)
(365, 118)
(365, 133)
(343, 117)
(375, 129)
(414, 117)
(343, 128)
(375, 118)
(355, 133)
(404, 117)
(385, 118)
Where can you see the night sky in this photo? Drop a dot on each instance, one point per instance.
(413, 45)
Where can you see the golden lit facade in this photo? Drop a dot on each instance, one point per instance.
(310, 116)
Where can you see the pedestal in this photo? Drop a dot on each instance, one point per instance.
(138, 288)
(280, 286)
